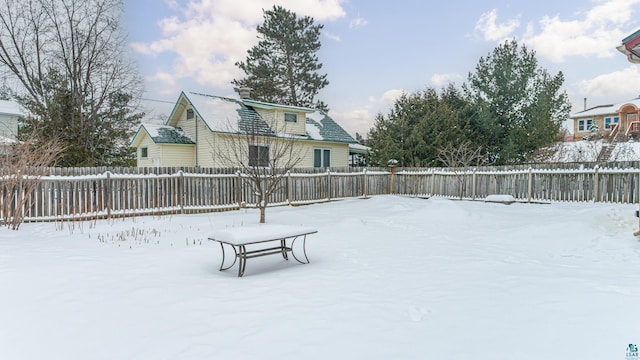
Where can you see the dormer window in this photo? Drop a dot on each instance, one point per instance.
(290, 117)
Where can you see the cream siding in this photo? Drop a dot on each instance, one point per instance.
(153, 152)
(177, 155)
(275, 119)
(339, 153)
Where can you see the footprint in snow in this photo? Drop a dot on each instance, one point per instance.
(418, 313)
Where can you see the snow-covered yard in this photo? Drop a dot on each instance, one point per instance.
(390, 278)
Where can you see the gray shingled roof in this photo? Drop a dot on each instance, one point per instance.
(321, 126)
(228, 115)
(162, 134)
(235, 116)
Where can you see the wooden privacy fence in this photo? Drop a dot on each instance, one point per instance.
(596, 184)
(131, 194)
(107, 195)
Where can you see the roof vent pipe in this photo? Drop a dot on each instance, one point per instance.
(585, 103)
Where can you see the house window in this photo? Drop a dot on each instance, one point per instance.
(290, 117)
(258, 155)
(144, 152)
(321, 157)
(585, 125)
(610, 122)
(189, 113)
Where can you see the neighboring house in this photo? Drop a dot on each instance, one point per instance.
(10, 113)
(631, 47)
(619, 121)
(199, 126)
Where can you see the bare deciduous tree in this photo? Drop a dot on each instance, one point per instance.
(65, 62)
(461, 158)
(21, 167)
(263, 156)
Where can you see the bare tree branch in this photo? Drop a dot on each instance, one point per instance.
(21, 168)
(262, 156)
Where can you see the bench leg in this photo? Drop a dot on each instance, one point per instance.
(304, 249)
(283, 245)
(242, 255)
(223, 256)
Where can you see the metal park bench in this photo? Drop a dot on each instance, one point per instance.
(246, 240)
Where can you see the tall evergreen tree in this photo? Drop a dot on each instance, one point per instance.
(283, 67)
(519, 106)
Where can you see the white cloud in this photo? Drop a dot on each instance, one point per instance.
(361, 119)
(208, 37)
(488, 26)
(389, 97)
(358, 22)
(616, 84)
(439, 80)
(331, 36)
(594, 32)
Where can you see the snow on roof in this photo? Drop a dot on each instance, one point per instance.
(321, 126)
(358, 148)
(606, 109)
(313, 127)
(219, 113)
(9, 107)
(164, 134)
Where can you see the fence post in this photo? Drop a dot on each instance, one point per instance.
(181, 191)
(596, 185)
(473, 184)
(328, 185)
(289, 187)
(364, 174)
(239, 189)
(433, 182)
(530, 185)
(108, 185)
(392, 170)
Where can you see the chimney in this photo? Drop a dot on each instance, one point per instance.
(245, 92)
(585, 103)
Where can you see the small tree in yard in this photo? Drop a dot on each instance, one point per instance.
(461, 158)
(21, 168)
(263, 156)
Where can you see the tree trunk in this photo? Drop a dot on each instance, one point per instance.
(262, 211)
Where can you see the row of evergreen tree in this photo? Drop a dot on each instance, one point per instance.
(509, 109)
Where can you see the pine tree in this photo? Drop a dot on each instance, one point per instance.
(283, 67)
(519, 106)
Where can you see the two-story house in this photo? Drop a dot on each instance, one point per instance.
(619, 121)
(200, 126)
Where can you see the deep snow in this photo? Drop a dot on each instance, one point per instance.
(390, 278)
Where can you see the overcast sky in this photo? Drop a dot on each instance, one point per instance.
(374, 50)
